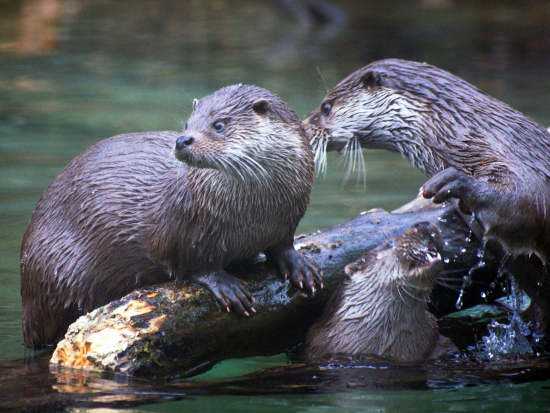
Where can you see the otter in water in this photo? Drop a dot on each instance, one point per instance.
(145, 208)
(476, 149)
(381, 307)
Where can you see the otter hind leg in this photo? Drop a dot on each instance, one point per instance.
(230, 292)
(303, 272)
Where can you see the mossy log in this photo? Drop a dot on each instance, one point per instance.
(178, 329)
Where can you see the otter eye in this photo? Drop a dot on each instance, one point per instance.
(218, 126)
(325, 108)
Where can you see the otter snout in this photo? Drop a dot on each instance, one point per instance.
(184, 142)
(185, 149)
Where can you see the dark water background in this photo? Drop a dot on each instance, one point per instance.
(73, 72)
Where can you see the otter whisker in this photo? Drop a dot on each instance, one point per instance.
(228, 166)
(455, 279)
(450, 287)
(319, 142)
(402, 299)
(322, 78)
(450, 282)
(242, 162)
(353, 160)
(457, 270)
(347, 153)
(361, 160)
(410, 294)
(255, 164)
(180, 170)
(323, 155)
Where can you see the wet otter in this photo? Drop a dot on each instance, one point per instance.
(475, 148)
(381, 308)
(140, 209)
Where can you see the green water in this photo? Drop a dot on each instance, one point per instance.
(91, 70)
(507, 398)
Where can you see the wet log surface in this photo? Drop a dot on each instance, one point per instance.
(177, 330)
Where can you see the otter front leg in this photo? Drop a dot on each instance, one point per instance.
(230, 292)
(451, 183)
(303, 272)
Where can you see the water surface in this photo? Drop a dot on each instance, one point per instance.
(75, 72)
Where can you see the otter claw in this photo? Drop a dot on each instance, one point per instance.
(446, 184)
(293, 265)
(230, 292)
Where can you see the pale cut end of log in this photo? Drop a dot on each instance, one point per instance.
(95, 340)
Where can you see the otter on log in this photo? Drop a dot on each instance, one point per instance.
(140, 209)
(475, 148)
(381, 307)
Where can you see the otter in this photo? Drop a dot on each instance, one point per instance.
(381, 307)
(474, 148)
(145, 208)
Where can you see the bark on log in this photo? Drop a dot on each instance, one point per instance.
(178, 330)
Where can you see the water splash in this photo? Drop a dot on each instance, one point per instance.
(467, 279)
(508, 340)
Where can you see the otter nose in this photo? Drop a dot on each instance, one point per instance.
(184, 141)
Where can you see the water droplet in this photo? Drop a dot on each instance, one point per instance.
(459, 302)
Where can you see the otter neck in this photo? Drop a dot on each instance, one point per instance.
(215, 215)
(404, 126)
(405, 325)
(218, 189)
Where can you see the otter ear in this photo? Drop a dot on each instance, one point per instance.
(261, 107)
(195, 101)
(371, 80)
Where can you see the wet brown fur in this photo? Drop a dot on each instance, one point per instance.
(381, 307)
(438, 121)
(126, 213)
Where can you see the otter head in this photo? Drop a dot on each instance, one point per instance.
(396, 105)
(381, 308)
(242, 131)
(408, 265)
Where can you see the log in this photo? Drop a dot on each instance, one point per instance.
(177, 330)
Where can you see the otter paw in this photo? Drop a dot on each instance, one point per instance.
(303, 272)
(447, 184)
(230, 292)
